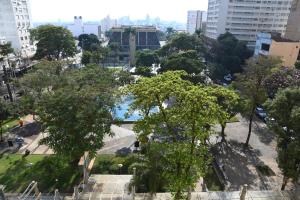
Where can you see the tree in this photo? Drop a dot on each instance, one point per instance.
(124, 78)
(53, 42)
(187, 61)
(184, 114)
(4, 113)
(143, 71)
(230, 107)
(78, 112)
(86, 57)
(251, 85)
(182, 42)
(5, 50)
(45, 77)
(285, 109)
(88, 41)
(229, 52)
(170, 32)
(282, 78)
(146, 58)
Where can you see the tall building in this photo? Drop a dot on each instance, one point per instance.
(245, 18)
(15, 23)
(78, 27)
(195, 20)
(293, 25)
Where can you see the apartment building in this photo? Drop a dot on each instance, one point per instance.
(195, 20)
(293, 25)
(15, 23)
(246, 18)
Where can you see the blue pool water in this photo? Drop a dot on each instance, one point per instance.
(122, 108)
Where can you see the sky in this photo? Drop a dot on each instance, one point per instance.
(95, 10)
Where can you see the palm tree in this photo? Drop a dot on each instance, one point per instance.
(5, 50)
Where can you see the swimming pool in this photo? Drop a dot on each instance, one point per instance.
(122, 108)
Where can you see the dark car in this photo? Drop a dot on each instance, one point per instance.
(261, 113)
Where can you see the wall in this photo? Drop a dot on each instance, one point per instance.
(288, 51)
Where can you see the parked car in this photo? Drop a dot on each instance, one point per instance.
(228, 77)
(261, 113)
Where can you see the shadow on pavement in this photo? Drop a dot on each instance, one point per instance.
(239, 165)
(263, 133)
(27, 130)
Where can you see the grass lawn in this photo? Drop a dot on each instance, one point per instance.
(9, 123)
(16, 173)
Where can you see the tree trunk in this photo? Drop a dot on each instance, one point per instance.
(7, 84)
(223, 126)
(250, 127)
(1, 131)
(284, 182)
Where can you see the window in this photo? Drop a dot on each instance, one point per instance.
(265, 47)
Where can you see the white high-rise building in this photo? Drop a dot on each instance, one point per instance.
(245, 18)
(195, 19)
(15, 23)
(78, 27)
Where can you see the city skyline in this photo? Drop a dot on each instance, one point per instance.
(93, 10)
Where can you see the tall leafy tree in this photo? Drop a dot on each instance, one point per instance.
(187, 61)
(88, 41)
(146, 58)
(5, 50)
(184, 114)
(251, 85)
(282, 78)
(78, 112)
(229, 52)
(53, 42)
(4, 113)
(285, 109)
(182, 42)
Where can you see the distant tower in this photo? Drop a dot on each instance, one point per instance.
(78, 23)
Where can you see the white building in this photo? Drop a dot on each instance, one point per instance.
(245, 18)
(15, 23)
(78, 27)
(195, 20)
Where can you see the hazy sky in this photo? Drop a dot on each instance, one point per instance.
(65, 10)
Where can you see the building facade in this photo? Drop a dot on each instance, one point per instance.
(130, 39)
(107, 23)
(293, 25)
(195, 20)
(15, 23)
(245, 18)
(78, 27)
(272, 44)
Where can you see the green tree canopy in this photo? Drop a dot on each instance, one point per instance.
(182, 42)
(146, 58)
(184, 114)
(79, 112)
(88, 42)
(251, 85)
(53, 42)
(285, 109)
(230, 52)
(187, 61)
